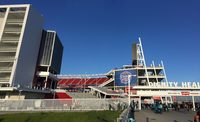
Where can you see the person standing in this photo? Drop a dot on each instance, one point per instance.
(132, 110)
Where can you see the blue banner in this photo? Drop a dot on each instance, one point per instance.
(121, 77)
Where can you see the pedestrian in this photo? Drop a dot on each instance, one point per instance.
(197, 116)
(132, 105)
(178, 107)
(110, 107)
(132, 110)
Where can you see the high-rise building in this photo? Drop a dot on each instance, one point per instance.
(49, 62)
(20, 36)
(30, 57)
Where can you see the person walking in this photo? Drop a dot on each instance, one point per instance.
(132, 110)
(197, 116)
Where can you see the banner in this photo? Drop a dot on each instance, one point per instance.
(121, 77)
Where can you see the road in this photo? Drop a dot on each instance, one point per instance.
(172, 116)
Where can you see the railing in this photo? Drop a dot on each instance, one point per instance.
(6, 40)
(106, 82)
(5, 69)
(123, 116)
(8, 49)
(7, 58)
(14, 20)
(12, 29)
(150, 76)
(16, 12)
(62, 105)
(4, 80)
(10, 38)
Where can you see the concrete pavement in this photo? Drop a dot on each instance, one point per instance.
(171, 116)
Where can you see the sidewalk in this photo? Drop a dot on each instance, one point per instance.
(172, 116)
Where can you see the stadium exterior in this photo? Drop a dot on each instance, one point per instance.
(30, 61)
(144, 84)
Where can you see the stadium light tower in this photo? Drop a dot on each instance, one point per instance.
(141, 58)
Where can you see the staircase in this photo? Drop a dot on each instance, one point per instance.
(107, 82)
(81, 95)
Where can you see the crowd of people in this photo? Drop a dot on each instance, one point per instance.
(160, 107)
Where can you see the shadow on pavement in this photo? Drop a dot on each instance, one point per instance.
(147, 119)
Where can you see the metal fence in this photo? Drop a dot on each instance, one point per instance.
(62, 105)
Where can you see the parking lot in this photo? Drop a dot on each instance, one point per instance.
(171, 116)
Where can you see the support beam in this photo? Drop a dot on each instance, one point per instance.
(166, 100)
(161, 99)
(193, 103)
(156, 75)
(166, 80)
(129, 90)
(140, 103)
(142, 59)
(105, 96)
(171, 100)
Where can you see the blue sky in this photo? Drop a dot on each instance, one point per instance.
(97, 34)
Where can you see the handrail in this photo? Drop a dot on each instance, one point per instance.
(7, 48)
(123, 116)
(6, 58)
(5, 68)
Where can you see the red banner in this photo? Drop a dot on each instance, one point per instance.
(156, 97)
(185, 93)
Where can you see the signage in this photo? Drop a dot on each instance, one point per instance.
(174, 98)
(133, 91)
(122, 77)
(185, 93)
(156, 97)
(176, 84)
(173, 93)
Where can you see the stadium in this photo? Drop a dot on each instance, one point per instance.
(147, 83)
(32, 81)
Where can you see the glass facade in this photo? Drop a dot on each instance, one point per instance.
(51, 51)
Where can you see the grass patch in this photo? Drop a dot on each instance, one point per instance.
(91, 116)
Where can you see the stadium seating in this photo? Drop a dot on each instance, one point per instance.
(80, 82)
(58, 95)
(62, 95)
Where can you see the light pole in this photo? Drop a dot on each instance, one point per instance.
(129, 88)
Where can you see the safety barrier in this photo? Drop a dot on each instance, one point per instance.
(123, 116)
(62, 104)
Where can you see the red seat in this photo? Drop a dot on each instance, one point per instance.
(80, 82)
(62, 95)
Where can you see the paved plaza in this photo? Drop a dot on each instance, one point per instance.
(172, 116)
